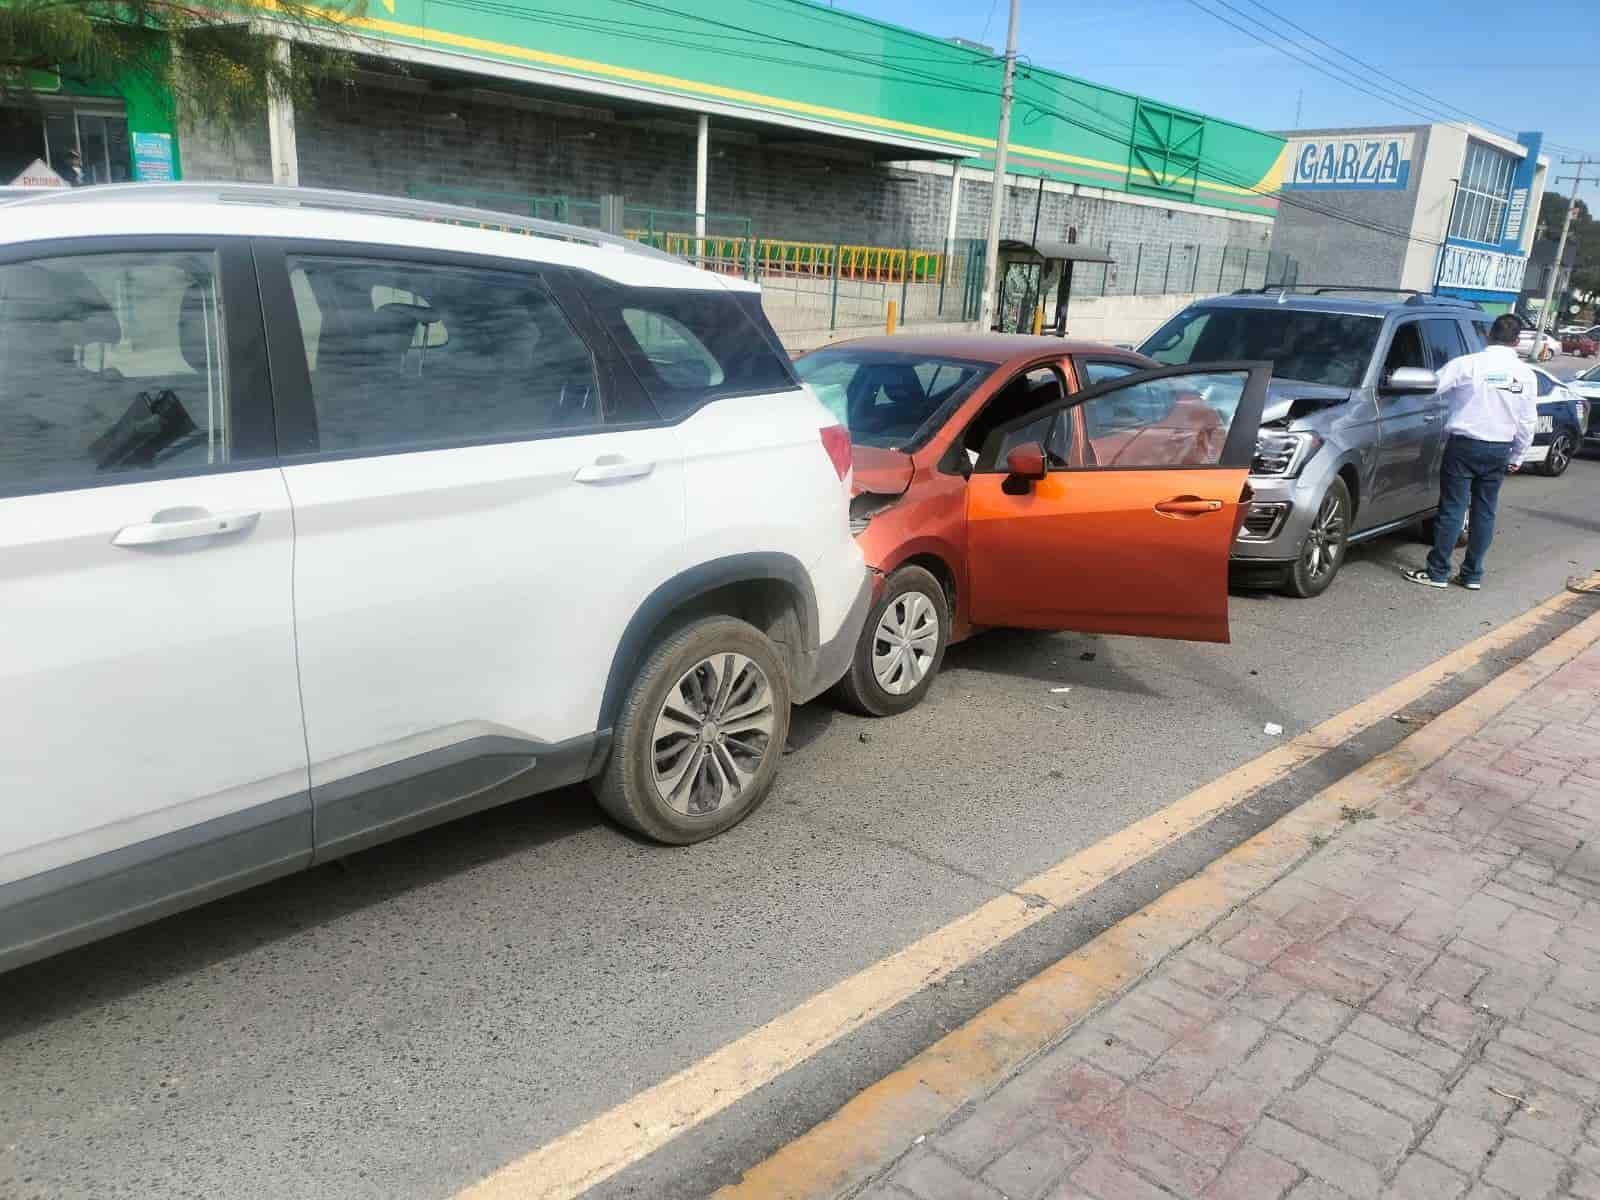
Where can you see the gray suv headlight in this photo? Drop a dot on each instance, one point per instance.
(1283, 452)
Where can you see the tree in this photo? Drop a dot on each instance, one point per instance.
(1584, 235)
(213, 57)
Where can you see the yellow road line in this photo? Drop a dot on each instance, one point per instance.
(880, 1123)
(616, 1139)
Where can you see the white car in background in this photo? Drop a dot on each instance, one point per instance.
(1549, 346)
(510, 510)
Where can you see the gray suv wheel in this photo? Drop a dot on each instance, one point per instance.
(1322, 552)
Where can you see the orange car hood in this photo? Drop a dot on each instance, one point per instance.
(885, 472)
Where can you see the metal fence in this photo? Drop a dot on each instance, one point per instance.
(826, 286)
(647, 220)
(1156, 269)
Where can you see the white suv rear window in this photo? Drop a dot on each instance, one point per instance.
(688, 347)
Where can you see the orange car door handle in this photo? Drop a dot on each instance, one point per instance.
(1188, 506)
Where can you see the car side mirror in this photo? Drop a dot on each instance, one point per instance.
(1025, 465)
(1411, 381)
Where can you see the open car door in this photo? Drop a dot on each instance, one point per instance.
(1114, 511)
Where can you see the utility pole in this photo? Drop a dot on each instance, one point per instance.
(1561, 249)
(1299, 100)
(997, 196)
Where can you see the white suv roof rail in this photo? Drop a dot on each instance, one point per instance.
(343, 201)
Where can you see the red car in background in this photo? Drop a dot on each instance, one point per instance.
(1034, 483)
(1580, 344)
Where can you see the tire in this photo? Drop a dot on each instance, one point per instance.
(911, 597)
(1322, 552)
(1559, 458)
(676, 776)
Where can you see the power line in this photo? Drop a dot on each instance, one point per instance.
(1121, 136)
(1213, 171)
(988, 20)
(659, 35)
(1220, 174)
(1320, 63)
(1366, 66)
(1427, 96)
(1314, 60)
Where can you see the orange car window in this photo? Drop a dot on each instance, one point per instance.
(1035, 388)
(1177, 422)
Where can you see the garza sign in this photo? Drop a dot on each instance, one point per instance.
(1483, 270)
(1380, 163)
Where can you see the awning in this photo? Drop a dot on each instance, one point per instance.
(1070, 251)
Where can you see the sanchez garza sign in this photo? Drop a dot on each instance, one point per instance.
(1464, 267)
(1380, 163)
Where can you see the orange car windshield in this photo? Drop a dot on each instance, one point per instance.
(887, 398)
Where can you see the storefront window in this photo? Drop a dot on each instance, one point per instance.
(1480, 212)
(98, 133)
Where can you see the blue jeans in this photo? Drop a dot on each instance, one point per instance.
(1471, 474)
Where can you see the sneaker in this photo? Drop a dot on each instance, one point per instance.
(1420, 575)
(1474, 586)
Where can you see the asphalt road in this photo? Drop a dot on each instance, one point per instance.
(404, 1022)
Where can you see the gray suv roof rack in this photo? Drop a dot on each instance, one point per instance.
(1444, 301)
(1412, 295)
(342, 201)
(1317, 289)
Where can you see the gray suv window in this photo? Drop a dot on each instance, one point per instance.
(1406, 349)
(1310, 347)
(1443, 337)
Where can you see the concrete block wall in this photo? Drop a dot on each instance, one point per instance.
(1099, 217)
(386, 134)
(1122, 319)
(209, 155)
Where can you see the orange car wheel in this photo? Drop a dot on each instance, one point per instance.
(901, 646)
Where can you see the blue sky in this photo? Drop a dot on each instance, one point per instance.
(1528, 72)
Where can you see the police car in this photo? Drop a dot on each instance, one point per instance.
(1587, 386)
(1563, 420)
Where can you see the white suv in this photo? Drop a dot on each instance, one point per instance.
(321, 523)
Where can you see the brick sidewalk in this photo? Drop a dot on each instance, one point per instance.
(1413, 1010)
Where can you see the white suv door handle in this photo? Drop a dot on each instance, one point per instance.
(155, 533)
(610, 467)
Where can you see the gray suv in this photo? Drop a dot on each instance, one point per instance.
(1353, 431)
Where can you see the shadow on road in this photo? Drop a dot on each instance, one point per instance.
(192, 941)
(1050, 658)
(809, 722)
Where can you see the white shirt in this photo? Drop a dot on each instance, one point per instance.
(1493, 396)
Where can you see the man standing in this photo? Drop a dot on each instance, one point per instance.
(1493, 400)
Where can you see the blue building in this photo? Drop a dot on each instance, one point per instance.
(1447, 208)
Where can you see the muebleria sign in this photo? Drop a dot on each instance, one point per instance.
(1352, 162)
(1485, 270)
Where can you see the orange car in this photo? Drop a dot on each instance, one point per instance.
(1036, 483)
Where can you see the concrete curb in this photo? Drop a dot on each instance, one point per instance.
(873, 1130)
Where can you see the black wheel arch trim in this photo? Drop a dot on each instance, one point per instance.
(686, 587)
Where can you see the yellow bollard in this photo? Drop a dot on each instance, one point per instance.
(889, 328)
(1038, 320)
